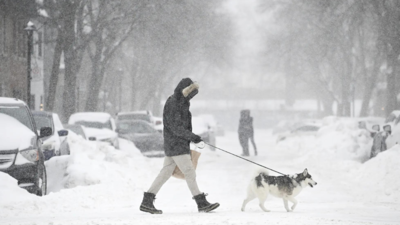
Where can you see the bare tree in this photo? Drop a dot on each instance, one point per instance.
(335, 47)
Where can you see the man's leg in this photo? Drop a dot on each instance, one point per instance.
(244, 143)
(163, 176)
(185, 164)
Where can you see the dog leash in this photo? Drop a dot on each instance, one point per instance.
(245, 159)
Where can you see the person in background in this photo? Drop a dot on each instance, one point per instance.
(246, 132)
(379, 141)
(177, 137)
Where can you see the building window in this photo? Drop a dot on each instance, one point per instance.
(14, 37)
(40, 40)
(2, 22)
(4, 34)
(32, 106)
(21, 38)
(41, 103)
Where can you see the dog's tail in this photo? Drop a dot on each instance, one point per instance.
(261, 171)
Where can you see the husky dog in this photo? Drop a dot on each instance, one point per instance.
(285, 187)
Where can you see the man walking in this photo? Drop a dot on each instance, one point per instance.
(177, 137)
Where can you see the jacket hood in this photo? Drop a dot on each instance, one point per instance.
(186, 88)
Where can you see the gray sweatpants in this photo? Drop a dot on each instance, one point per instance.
(185, 164)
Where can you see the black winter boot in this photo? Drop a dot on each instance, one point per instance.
(203, 205)
(147, 204)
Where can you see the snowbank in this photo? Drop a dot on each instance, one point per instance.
(95, 175)
(338, 138)
(89, 163)
(340, 151)
(10, 192)
(381, 175)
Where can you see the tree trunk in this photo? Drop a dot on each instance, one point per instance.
(69, 59)
(368, 90)
(345, 108)
(55, 70)
(391, 100)
(96, 78)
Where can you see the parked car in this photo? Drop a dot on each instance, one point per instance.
(145, 115)
(159, 125)
(79, 130)
(56, 143)
(394, 121)
(99, 125)
(300, 130)
(204, 130)
(145, 137)
(21, 154)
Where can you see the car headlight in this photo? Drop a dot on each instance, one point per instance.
(49, 145)
(30, 154)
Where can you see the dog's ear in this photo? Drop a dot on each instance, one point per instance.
(305, 172)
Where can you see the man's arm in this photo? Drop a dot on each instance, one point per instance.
(174, 124)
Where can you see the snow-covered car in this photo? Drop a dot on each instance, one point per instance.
(301, 130)
(21, 154)
(145, 115)
(99, 125)
(56, 144)
(394, 121)
(203, 129)
(79, 130)
(145, 137)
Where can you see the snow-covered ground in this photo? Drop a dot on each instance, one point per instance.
(97, 184)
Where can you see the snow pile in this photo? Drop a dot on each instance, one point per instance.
(381, 175)
(10, 192)
(89, 163)
(95, 175)
(338, 138)
(340, 151)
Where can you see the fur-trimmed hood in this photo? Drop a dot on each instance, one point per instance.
(186, 89)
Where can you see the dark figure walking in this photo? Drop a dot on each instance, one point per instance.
(246, 132)
(177, 137)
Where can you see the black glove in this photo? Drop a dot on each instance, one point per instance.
(197, 139)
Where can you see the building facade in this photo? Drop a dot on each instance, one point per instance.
(14, 16)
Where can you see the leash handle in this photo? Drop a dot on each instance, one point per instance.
(245, 159)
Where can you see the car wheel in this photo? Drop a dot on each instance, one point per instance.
(41, 180)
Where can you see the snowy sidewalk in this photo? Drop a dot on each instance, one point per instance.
(115, 199)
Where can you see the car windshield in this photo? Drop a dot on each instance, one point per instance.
(140, 128)
(134, 117)
(93, 124)
(20, 113)
(42, 121)
(77, 130)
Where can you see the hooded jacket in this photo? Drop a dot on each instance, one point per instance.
(177, 119)
(246, 124)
